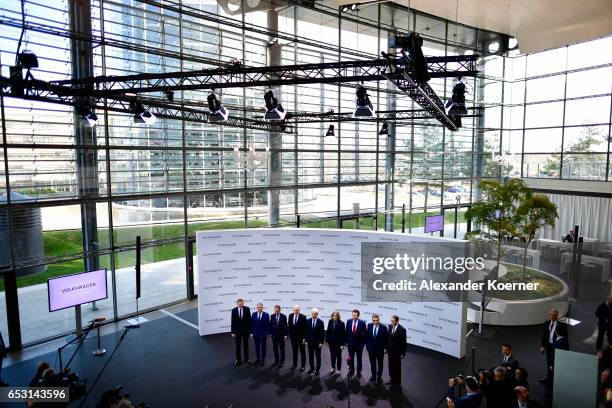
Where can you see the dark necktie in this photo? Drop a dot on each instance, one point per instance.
(354, 327)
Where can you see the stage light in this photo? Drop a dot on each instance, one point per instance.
(493, 47)
(89, 119)
(384, 129)
(345, 9)
(169, 95)
(512, 43)
(468, 52)
(412, 46)
(456, 105)
(330, 131)
(27, 59)
(142, 115)
(353, 7)
(363, 106)
(274, 111)
(218, 112)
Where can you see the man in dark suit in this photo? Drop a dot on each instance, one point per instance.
(472, 397)
(508, 361)
(335, 338)
(355, 340)
(314, 339)
(523, 400)
(260, 328)
(278, 332)
(396, 350)
(376, 344)
(241, 326)
(553, 329)
(604, 323)
(297, 327)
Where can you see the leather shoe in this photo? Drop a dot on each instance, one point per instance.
(302, 369)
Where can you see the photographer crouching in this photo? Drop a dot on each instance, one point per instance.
(65, 379)
(497, 387)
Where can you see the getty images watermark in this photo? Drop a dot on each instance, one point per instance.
(431, 271)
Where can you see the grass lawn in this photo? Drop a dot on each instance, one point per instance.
(70, 242)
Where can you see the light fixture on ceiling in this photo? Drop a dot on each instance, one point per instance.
(363, 106)
(456, 104)
(89, 119)
(274, 110)
(384, 129)
(330, 131)
(142, 115)
(218, 112)
(493, 47)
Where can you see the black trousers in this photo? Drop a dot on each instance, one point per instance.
(278, 347)
(377, 358)
(601, 332)
(395, 368)
(355, 352)
(314, 352)
(336, 356)
(550, 358)
(260, 347)
(298, 346)
(244, 338)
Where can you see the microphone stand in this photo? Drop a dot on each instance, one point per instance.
(125, 331)
(81, 337)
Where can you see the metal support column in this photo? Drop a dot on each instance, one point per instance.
(86, 158)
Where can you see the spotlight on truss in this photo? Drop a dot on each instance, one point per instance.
(169, 95)
(274, 111)
(330, 131)
(27, 59)
(456, 104)
(89, 119)
(411, 45)
(218, 112)
(384, 129)
(363, 106)
(142, 115)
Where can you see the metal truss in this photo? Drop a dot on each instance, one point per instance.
(115, 93)
(389, 116)
(47, 92)
(233, 77)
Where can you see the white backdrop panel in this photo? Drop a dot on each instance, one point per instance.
(313, 268)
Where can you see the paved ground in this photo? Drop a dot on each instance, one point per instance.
(162, 282)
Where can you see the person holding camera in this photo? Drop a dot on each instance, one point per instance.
(497, 387)
(472, 397)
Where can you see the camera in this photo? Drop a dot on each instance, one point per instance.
(76, 386)
(111, 398)
(488, 374)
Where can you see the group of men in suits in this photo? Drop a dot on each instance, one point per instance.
(377, 338)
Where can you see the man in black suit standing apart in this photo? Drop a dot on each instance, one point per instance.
(297, 325)
(278, 332)
(553, 331)
(314, 339)
(604, 323)
(508, 361)
(376, 344)
(396, 349)
(241, 327)
(355, 340)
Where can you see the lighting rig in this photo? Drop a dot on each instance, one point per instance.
(408, 69)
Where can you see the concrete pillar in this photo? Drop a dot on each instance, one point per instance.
(275, 139)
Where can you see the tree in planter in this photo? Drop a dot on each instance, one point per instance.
(534, 212)
(496, 214)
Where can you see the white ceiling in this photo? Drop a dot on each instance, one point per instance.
(537, 24)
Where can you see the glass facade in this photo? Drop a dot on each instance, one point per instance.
(98, 190)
